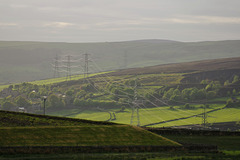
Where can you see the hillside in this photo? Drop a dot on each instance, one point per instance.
(186, 67)
(18, 119)
(28, 61)
(167, 95)
(35, 130)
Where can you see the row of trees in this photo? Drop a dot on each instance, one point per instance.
(19, 101)
(210, 90)
(114, 94)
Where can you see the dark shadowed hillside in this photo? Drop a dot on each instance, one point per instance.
(205, 65)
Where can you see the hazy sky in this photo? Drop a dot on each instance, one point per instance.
(119, 20)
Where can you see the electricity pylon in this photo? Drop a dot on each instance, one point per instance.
(68, 67)
(204, 117)
(86, 60)
(135, 118)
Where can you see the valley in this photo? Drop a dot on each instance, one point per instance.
(91, 115)
(163, 96)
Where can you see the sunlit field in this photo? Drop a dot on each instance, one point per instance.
(160, 114)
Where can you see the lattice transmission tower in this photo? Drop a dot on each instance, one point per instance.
(135, 118)
(86, 60)
(68, 66)
(204, 117)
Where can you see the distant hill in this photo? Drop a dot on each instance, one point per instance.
(28, 61)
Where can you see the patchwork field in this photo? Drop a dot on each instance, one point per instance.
(161, 115)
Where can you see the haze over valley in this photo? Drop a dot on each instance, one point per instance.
(29, 61)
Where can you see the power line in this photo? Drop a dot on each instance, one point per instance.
(127, 94)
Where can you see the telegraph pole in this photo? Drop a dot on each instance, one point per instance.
(135, 119)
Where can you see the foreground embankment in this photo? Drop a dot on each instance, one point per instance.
(106, 149)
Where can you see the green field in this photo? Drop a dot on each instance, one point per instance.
(160, 114)
(56, 80)
(63, 79)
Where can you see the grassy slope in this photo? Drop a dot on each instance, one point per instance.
(57, 80)
(19, 129)
(63, 79)
(96, 135)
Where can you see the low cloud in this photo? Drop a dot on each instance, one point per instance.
(58, 24)
(204, 20)
(8, 24)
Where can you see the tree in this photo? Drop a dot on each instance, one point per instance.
(90, 87)
(122, 109)
(43, 91)
(167, 94)
(161, 91)
(132, 82)
(211, 94)
(80, 94)
(226, 83)
(7, 105)
(69, 92)
(233, 103)
(214, 85)
(194, 94)
(235, 79)
(187, 106)
(186, 93)
(204, 82)
(128, 92)
(16, 87)
(175, 98)
(22, 102)
(201, 94)
(32, 94)
(53, 101)
(10, 87)
(234, 92)
(78, 102)
(123, 100)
